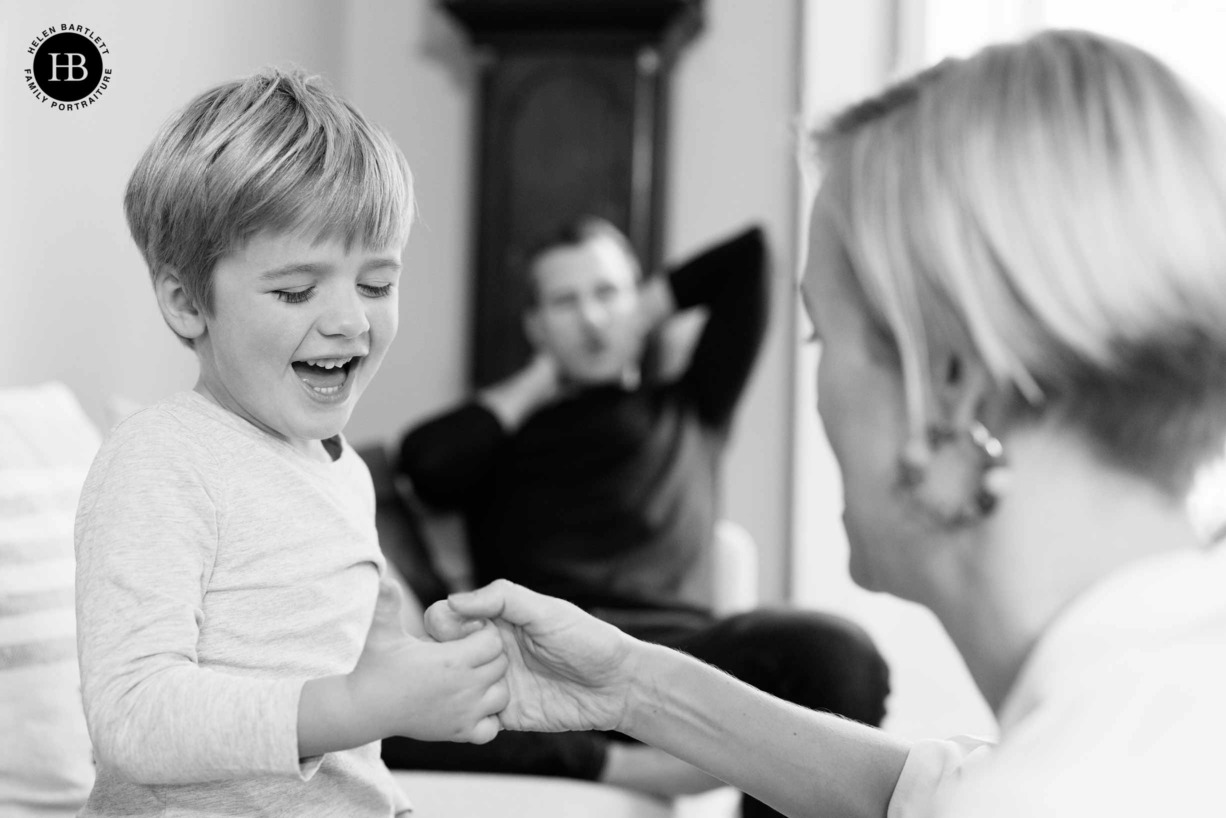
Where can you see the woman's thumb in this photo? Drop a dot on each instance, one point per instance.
(503, 599)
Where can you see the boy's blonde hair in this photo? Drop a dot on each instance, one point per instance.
(276, 151)
(1061, 204)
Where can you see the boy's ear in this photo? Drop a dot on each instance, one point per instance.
(178, 309)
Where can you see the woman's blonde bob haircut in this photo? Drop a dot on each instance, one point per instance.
(276, 151)
(1060, 205)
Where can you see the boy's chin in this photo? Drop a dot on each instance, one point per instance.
(324, 428)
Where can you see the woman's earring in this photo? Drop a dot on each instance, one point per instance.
(994, 472)
(919, 460)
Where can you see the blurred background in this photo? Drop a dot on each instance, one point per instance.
(76, 305)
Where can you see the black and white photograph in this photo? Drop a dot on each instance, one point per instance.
(612, 408)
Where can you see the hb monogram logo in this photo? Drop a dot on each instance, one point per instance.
(73, 62)
(68, 71)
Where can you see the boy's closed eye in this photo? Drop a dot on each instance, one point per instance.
(376, 290)
(295, 296)
(307, 293)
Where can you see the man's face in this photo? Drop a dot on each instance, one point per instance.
(297, 331)
(587, 313)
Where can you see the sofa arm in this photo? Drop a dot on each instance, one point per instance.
(734, 569)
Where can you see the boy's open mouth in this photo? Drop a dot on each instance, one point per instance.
(327, 376)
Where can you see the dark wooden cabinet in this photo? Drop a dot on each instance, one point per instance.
(573, 119)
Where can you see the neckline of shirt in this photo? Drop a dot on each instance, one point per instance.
(194, 400)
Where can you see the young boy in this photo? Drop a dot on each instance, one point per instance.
(227, 561)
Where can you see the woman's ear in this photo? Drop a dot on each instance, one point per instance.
(964, 390)
(178, 309)
(954, 468)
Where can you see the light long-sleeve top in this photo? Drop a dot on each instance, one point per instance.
(218, 569)
(1119, 710)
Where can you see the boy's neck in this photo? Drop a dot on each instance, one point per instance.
(325, 451)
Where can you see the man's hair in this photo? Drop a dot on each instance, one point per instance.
(574, 233)
(1060, 204)
(276, 151)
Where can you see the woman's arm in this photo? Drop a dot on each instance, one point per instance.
(799, 761)
(570, 671)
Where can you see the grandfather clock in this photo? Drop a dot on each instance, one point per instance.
(573, 119)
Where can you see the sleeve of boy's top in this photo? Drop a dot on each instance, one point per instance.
(449, 459)
(146, 537)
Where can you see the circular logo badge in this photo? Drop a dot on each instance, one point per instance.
(68, 67)
(67, 70)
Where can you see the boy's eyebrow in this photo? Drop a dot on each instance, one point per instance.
(381, 263)
(289, 270)
(309, 268)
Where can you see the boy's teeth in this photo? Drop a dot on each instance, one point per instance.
(328, 364)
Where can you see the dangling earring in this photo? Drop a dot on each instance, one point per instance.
(994, 471)
(991, 481)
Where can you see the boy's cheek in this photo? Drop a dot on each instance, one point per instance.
(394, 323)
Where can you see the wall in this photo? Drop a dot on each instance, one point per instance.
(75, 300)
(732, 156)
(409, 69)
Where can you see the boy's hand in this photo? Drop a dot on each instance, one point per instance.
(567, 670)
(428, 690)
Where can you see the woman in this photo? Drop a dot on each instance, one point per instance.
(1017, 272)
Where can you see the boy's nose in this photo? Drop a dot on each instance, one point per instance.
(346, 318)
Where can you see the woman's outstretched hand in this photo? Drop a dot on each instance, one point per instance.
(567, 670)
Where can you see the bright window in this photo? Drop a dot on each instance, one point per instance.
(1186, 34)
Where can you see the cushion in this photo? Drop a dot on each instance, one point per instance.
(46, 763)
(45, 427)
